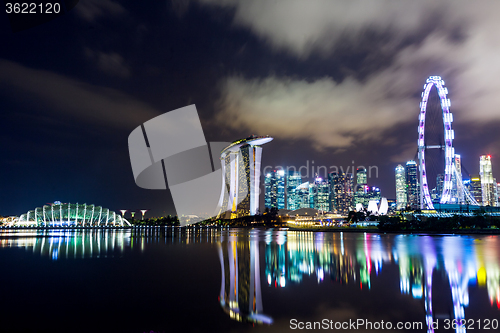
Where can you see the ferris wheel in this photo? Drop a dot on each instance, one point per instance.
(447, 143)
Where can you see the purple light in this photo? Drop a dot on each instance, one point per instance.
(449, 136)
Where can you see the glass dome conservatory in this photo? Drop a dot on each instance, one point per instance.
(68, 214)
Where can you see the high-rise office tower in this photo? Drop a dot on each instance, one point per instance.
(241, 177)
(487, 184)
(498, 194)
(270, 190)
(312, 194)
(457, 188)
(293, 180)
(438, 188)
(400, 188)
(275, 189)
(333, 178)
(341, 192)
(412, 188)
(280, 187)
(322, 195)
(361, 178)
(474, 187)
(302, 195)
(361, 188)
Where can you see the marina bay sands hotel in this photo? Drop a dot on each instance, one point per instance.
(241, 177)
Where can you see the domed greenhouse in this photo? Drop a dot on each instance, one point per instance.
(68, 214)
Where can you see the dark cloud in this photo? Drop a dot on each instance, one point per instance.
(111, 63)
(72, 98)
(91, 10)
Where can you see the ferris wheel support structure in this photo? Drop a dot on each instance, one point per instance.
(449, 135)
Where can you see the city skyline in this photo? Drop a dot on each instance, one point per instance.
(331, 83)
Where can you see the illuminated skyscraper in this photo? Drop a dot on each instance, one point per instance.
(457, 189)
(438, 190)
(487, 183)
(498, 194)
(400, 188)
(275, 189)
(312, 194)
(412, 188)
(321, 198)
(280, 187)
(293, 180)
(474, 187)
(341, 192)
(361, 178)
(361, 188)
(270, 190)
(241, 177)
(302, 195)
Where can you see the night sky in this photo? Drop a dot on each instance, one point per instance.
(334, 82)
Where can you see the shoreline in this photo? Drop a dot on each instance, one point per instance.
(431, 232)
(283, 228)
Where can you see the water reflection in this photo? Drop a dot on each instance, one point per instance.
(252, 262)
(240, 291)
(359, 258)
(69, 243)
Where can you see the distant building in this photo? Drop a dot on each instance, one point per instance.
(322, 194)
(400, 188)
(361, 178)
(341, 192)
(498, 193)
(412, 186)
(293, 180)
(302, 195)
(312, 194)
(487, 183)
(360, 188)
(269, 190)
(392, 205)
(373, 194)
(275, 189)
(438, 190)
(457, 188)
(474, 187)
(241, 177)
(67, 214)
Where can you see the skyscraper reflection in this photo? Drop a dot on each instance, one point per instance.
(464, 260)
(240, 292)
(437, 272)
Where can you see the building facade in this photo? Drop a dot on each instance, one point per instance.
(412, 186)
(487, 183)
(498, 193)
(241, 177)
(457, 189)
(302, 192)
(361, 188)
(322, 194)
(474, 187)
(400, 188)
(68, 214)
(341, 192)
(293, 181)
(275, 189)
